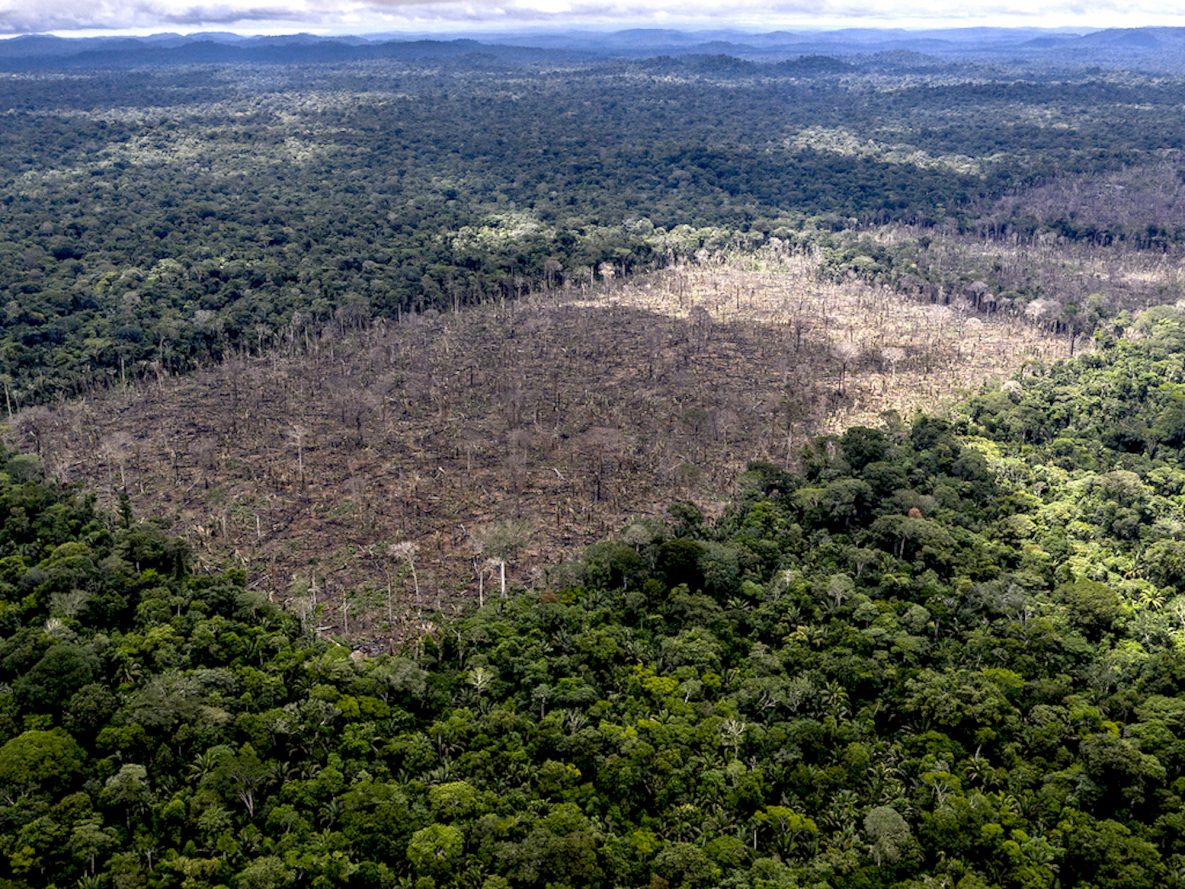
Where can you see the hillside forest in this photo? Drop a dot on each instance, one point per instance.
(448, 465)
(945, 652)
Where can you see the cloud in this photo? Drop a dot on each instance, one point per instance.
(24, 16)
(33, 15)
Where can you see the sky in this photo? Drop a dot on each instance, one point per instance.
(88, 17)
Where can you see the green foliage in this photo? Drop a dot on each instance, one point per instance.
(939, 653)
(435, 849)
(162, 218)
(39, 759)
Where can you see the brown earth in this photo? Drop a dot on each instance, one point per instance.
(391, 470)
(1119, 276)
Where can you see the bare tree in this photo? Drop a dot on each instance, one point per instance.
(500, 542)
(846, 354)
(297, 434)
(406, 551)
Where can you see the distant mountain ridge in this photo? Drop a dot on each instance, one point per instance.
(39, 52)
(1155, 47)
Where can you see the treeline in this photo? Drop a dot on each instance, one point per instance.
(155, 220)
(1066, 288)
(942, 652)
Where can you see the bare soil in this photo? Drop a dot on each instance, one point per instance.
(520, 431)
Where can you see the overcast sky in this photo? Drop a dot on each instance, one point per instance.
(362, 16)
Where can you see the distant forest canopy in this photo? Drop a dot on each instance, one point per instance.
(154, 219)
(943, 653)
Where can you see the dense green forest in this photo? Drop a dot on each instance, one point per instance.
(943, 653)
(156, 219)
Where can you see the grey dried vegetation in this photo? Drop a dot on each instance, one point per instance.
(405, 467)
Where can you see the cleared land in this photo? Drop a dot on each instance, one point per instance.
(1040, 277)
(1143, 204)
(519, 431)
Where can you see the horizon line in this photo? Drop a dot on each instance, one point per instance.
(492, 28)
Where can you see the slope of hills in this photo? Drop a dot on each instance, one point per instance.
(409, 325)
(1158, 46)
(930, 657)
(198, 50)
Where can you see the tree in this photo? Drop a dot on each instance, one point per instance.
(238, 776)
(686, 866)
(791, 833)
(1106, 853)
(298, 433)
(128, 789)
(453, 801)
(266, 872)
(888, 833)
(500, 542)
(1093, 606)
(47, 759)
(1164, 563)
(435, 850)
(63, 670)
(846, 354)
(406, 551)
(88, 841)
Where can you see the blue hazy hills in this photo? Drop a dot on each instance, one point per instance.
(1140, 47)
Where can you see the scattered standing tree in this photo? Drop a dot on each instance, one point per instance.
(500, 542)
(846, 354)
(297, 433)
(406, 551)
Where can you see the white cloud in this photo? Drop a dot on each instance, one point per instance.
(263, 16)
